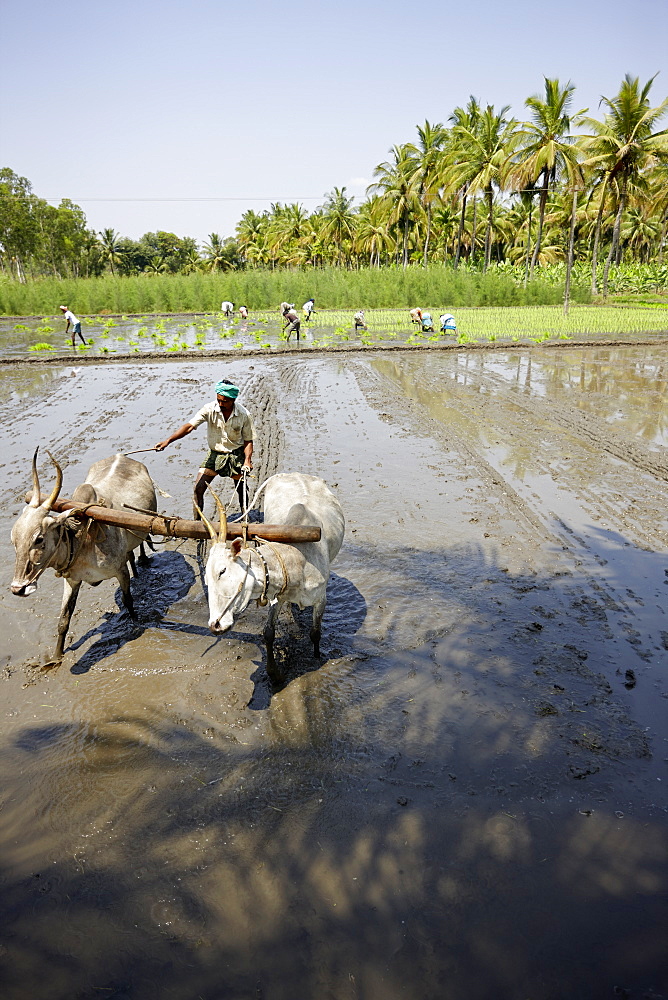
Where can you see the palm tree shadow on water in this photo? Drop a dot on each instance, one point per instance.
(164, 580)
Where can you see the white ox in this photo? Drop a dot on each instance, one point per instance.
(81, 550)
(276, 572)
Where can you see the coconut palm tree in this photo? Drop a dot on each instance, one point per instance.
(620, 148)
(372, 236)
(481, 153)
(214, 254)
(339, 220)
(250, 228)
(546, 148)
(428, 171)
(454, 152)
(287, 231)
(659, 201)
(109, 243)
(397, 189)
(446, 230)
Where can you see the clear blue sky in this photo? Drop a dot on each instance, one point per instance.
(261, 101)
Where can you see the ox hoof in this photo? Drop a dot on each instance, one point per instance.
(45, 667)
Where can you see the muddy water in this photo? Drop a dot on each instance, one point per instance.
(465, 797)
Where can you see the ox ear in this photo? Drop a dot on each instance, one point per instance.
(236, 547)
(66, 517)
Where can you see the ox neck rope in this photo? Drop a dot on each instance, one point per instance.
(74, 541)
(262, 600)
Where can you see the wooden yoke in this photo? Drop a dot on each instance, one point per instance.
(179, 527)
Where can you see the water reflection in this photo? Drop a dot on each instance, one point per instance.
(627, 387)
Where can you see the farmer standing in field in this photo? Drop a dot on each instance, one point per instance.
(308, 308)
(230, 438)
(73, 322)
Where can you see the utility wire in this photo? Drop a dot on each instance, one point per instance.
(273, 199)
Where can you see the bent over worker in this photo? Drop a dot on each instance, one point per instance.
(73, 322)
(292, 321)
(230, 438)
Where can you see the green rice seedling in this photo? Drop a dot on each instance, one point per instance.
(104, 333)
(239, 345)
(160, 341)
(21, 326)
(131, 343)
(265, 345)
(42, 347)
(45, 328)
(141, 332)
(173, 347)
(184, 346)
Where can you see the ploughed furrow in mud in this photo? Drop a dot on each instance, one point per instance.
(259, 393)
(300, 402)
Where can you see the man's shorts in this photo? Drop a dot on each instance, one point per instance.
(77, 328)
(224, 463)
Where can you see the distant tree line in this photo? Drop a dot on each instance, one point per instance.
(485, 188)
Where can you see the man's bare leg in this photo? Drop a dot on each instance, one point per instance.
(204, 478)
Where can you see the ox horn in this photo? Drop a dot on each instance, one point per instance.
(210, 528)
(222, 537)
(34, 499)
(59, 482)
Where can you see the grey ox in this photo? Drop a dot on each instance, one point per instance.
(275, 572)
(81, 551)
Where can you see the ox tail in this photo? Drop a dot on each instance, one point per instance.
(157, 489)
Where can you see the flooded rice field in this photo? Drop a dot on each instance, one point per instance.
(465, 796)
(113, 337)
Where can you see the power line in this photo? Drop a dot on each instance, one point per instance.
(272, 199)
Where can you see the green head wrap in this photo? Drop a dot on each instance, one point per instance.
(226, 389)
